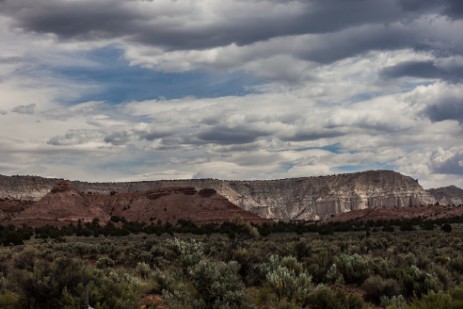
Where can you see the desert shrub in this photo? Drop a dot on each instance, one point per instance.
(104, 262)
(447, 228)
(286, 278)
(431, 300)
(376, 287)
(406, 227)
(162, 281)
(218, 284)
(9, 300)
(143, 270)
(325, 298)
(302, 249)
(457, 298)
(388, 228)
(318, 265)
(382, 267)
(443, 275)
(59, 284)
(26, 258)
(354, 268)
(249, 259)
(395, 302)
(333, 275)
(189, 252)
(457, 264)
(417, 282)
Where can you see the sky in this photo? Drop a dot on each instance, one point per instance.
(113, 90)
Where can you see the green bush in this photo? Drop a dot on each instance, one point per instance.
(287, 278)
(354, 268)
(325, 298)
(376, 287)
(218, 284)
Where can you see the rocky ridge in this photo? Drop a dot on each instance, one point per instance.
(308, 198)
(450, 195)
(64, 205)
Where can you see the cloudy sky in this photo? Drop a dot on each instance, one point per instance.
(113, 90)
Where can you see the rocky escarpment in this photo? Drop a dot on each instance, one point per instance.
(316, 198)
(309, 198)
(64, 205)
(25, 188)
(451, 195)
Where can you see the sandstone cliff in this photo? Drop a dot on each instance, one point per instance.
(309, 198)
(448, 195)
(62, 205)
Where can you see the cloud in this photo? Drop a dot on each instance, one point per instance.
(25, 109)
(228, 136)
(193, 25)
(76, 137)
(448, 161)
(446, 109)
(423, 69)
(2, 112)
(118, 138)
(438, 101)
(454, 9)
(236, 89)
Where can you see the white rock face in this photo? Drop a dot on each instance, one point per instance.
(310, 198)
(25, 188)
(448, 195)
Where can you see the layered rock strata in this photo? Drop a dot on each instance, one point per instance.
(450, 195)
(309, 198)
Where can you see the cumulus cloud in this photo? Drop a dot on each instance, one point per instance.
(76, 137)
(25, 109)
(340, 85)
(448, 161)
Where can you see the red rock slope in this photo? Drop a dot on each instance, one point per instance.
(65, 205)
(173, 204)
(61, 206)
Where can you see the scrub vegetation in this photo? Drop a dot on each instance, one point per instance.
(233, 266)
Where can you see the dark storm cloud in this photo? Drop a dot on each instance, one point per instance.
(451, 8)
(310, 136)
(153, 135)
(454, 9)
(117, 138)
(446, 109)
(416, 5)
(71, 19)
(162, 27)
(339, 45)
(229, 136)
(423, 69)
(452, 165)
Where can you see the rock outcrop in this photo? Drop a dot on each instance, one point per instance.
(451, 195)
(309, 198)
(173, 204)
(64, 205)
(61, 206)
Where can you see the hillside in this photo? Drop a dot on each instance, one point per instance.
(451, 195)
(309, 198)
(64, 205)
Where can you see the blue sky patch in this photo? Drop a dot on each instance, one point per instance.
(121, 82)
(334, 148)
(357, 168)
